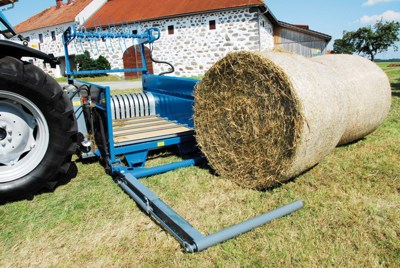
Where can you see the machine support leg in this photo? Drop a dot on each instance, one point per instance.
(191, 239)
(145, 172)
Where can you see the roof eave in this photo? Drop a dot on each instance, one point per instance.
(190, 14)
(35, 29)
(268, 13)
(311, 32)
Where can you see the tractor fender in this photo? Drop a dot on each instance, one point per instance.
(9, 48)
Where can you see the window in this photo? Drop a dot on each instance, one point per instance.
(171, 29)
(41, 38)
(212, 25)
(28, 39)
(53, 35)
(134, 31)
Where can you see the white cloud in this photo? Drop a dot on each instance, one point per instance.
(389, 15)
(375, 2)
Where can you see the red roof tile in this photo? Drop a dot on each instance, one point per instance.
(141, 10)
(53, 16)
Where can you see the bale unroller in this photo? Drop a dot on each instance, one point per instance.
(263, 118)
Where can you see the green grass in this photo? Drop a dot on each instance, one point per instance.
(126, 91)
(393, 73)
(351, 216)
(107, 78)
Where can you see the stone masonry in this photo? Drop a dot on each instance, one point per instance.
(192, 48)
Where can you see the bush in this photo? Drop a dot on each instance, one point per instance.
(86, 63)
(102, 63)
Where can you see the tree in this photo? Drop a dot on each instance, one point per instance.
(369, 40)
(86, 63)
(102, 63)
(344, 45)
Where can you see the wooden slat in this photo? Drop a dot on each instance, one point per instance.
(153, 134)
(135, 120)
(144, 129)
(138, 123)
(140, 128)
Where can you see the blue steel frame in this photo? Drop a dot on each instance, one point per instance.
(5, 27)
(72, 33)
(134, 149)
(170, 93)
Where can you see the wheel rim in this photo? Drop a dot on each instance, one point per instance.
(24, 136)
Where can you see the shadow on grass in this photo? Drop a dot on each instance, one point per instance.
(205, 165)
(48, 188)
(396, 88)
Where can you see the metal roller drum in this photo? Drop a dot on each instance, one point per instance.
(132, 105)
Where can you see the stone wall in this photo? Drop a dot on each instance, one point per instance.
(192, 48)
(48, 45)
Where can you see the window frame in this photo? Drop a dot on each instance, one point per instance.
(171, 29)
(53, 36)
(212, 24)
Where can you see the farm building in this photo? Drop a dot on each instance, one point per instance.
(194, 34)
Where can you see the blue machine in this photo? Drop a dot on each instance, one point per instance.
(122, 129)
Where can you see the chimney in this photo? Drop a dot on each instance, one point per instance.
(302, 26)
(58, 3)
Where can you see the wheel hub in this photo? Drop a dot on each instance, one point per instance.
(3, 134)
(16, 134)
(24, 136)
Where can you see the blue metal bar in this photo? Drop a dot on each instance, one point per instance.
(110, 131)
(153, 205)
(191, 239)
(245, 226)
(72, 33)
(146, 37)
(145, 172)
(7, 26)
(143, 55)
(107, 71)
(67, 63)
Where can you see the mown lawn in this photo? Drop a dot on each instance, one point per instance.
(106, 78)
(351, 216)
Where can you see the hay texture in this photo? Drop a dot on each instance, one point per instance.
(263, 118)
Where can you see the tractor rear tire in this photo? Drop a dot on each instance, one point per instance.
(37, 130)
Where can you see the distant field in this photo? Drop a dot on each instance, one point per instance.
(392, 72)
(351, 216)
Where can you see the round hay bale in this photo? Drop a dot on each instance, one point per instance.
(367, 90)
(263, 118)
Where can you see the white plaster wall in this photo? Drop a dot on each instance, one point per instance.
(47, 46)
(266, 33)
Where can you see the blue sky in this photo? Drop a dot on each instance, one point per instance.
(326, 16)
